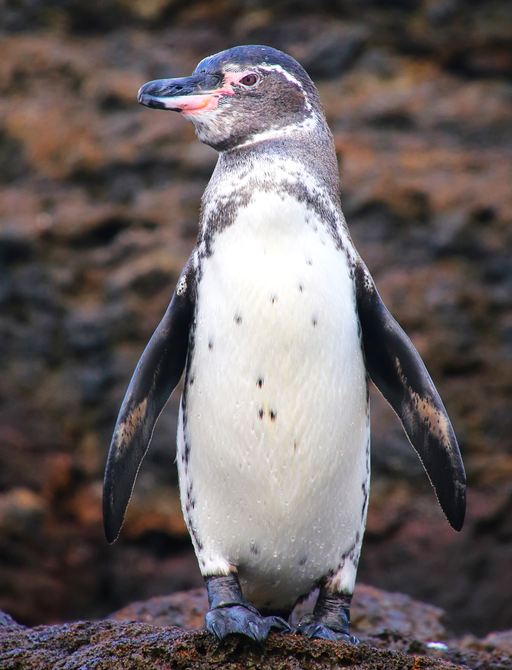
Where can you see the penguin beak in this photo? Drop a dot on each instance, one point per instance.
(197, 93)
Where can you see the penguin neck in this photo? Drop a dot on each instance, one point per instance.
(312, 148)
(302, 166)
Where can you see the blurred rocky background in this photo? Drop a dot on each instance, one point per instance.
(98, 212)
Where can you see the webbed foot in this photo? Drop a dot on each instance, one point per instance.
(238, 619)
(330, 619)
(230, 613)
(312, 628)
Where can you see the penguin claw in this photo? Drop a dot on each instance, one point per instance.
(316, 630)
(237, 619)
(279, 624)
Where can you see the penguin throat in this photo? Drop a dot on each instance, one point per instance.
(214, 129)
(294, 130)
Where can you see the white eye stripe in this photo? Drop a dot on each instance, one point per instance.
(279, 68)
(290, 77)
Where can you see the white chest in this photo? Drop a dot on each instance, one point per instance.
(276, 410)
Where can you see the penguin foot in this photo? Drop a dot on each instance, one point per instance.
(238, 619)
(331, 617)
(230, 613)
(314, 629)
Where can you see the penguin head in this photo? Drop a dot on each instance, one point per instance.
(241, 96)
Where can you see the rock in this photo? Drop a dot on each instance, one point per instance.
(373, 612)
(133, 646)
(15, 246)
(501, 640)
(162, 633)
(376, 610)
(183, 609)
(7, 621)
(21, 512)
(334, 51)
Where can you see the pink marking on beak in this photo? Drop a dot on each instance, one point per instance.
(204, 102)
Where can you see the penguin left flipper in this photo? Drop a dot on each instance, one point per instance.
(399, 373)
(156, 375)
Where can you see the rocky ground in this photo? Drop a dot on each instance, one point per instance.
(98, 212)
(396, 633)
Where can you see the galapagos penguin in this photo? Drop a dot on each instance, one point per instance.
(278, 326)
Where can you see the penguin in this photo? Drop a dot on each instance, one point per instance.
(277, 326)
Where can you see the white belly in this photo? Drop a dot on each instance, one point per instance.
(276, 423)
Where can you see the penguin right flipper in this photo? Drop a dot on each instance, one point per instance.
(156, 375)
(399, 373)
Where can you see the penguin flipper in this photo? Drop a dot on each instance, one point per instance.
(156, 375)
(399, 373)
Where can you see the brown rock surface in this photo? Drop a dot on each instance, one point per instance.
(133, 646)
(373, 612)
(396, 633)
(98, 211)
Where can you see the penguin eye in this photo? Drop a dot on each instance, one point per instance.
(249, 80)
